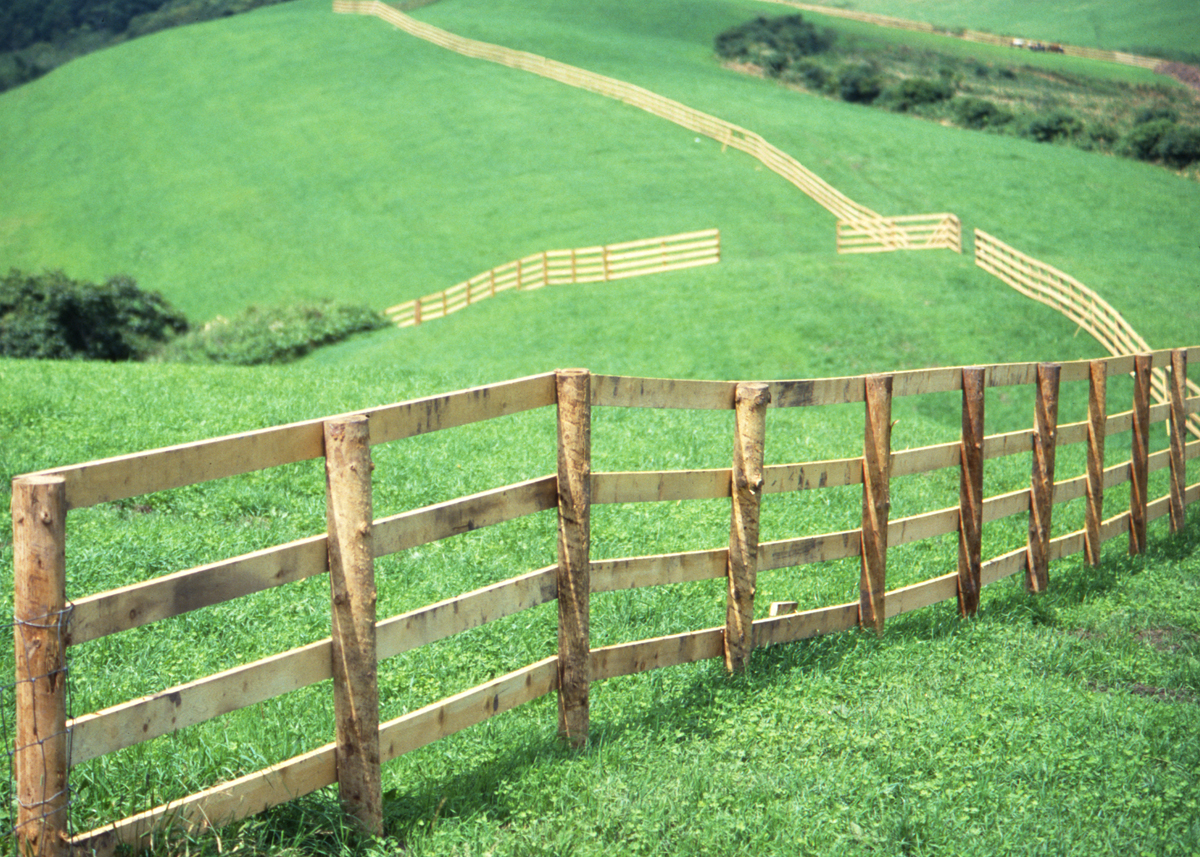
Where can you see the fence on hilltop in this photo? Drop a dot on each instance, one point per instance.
(47, 624)
(563, 267)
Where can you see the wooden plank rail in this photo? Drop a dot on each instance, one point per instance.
(909, 232)
(879, 541)
(565, 267)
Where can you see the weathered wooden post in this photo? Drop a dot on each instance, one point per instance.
(750, 402)
(1096, 433)
(1139, 474)
(352, 582)
(1041, 500)
(40, 760)
(877, 470)
(574, 551)
(970, 492)
(1178, 438)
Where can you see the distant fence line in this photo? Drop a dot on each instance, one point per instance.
(562, 267)
(1150, 63)
(1050, 286)
(726, 133)
(914, 232)
(48, 743)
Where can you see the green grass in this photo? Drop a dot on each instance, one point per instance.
(1110, 24)
(354, 163)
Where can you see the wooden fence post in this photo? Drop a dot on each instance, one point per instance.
(751, 403)
(1097, 431)
(352, 582)
(1178, 438)
(574, 549)
(877, 467)
(1140, 460)
(40, 758)
(1041, 500)
(970, 492)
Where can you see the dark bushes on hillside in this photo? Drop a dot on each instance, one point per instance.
(978, 113)
(51, 316)
(1162, 139)
(773, 43)
(1056, 125)
(272, 334)
(917, 92)
(859, 84)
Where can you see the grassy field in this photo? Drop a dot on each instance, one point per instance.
(300, 154)
(1123, 25)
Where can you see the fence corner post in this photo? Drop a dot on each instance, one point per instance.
(352, 584)
(1041, 500)
(750, 402)
(40, 758)
(574, 551)
(970, 491)
(876, 505)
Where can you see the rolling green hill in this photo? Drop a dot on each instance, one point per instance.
(292, 153)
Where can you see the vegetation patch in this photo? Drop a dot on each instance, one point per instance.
(51, 316)
(1159, 123)
(37, 36)
(272, 334)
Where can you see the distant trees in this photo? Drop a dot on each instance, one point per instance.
(38, 35)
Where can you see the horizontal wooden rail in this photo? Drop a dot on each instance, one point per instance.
(910, 232)
(126, 476)
(564, 267)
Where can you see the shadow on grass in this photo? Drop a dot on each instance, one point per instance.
(483, 786)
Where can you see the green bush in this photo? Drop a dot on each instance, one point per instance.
(859, 84)
(1056, 125)
(1142, 141)
(50, 316)
(773, 42)
(1179, 147)
(1156, 112)
(980, 113)
(918, 91)
(272, 334)
(808, 74)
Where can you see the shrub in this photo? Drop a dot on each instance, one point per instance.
(1154, 113)
(1056, 125)
(789, 37)
(1142, 141)
(809, 74)
(53, 317)
(859, 84)
(980, 113)
(272, 334)
(918, 91)
(1179, 147)
(1101, 136)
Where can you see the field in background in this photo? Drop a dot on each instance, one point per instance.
(945, 737)
(1125, 25)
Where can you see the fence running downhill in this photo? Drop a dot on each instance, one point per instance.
(563, 267)
(1050, 286)
(726, 133)
(47, 624)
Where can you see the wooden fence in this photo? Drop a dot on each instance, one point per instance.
(914, 232)
(1050, 286)
(562, 267)
(46, 624)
